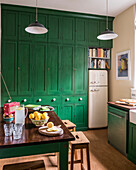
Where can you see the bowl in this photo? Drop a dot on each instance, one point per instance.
(41, 122)
(9, 119)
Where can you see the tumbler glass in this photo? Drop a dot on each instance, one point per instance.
(8, 129)
(17, 131)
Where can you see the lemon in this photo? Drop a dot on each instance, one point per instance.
(45, 113)
(50, 124)
(36, 113)
(38, 117)
(44, 116)
(31, 116)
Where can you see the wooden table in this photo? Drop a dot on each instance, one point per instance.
(33, 143)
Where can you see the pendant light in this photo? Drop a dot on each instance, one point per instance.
(107, 34)
(36, 28)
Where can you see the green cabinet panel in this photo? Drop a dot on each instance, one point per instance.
(80, 70)
(40, 69)
(24, 20)
(105, 43)
(67, 30)
(67, 53)
(24, 68)
(67, 112)
(9, 67)
(81, 31)
(10, 25)
(80, 115)
(93, 31)
(132, 143)
(54, 29)
(53, 64)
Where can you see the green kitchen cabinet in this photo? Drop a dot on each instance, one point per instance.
(92, 32)
(39, 63)
(67, 30)
(25, 70)
(80, 70)
(10, 25)
(54, 29)
(81, 31)
(67, 111)
(132, 143)
(25, 18)
(53, 66)
(105, 43)
(9, 67)
(67, 81)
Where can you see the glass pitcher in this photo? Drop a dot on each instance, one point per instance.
(20, 114)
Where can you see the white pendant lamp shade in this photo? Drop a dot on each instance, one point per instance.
(36, 28)
(107, 35)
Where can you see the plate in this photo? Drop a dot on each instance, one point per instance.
(43, 131)
(47, 109)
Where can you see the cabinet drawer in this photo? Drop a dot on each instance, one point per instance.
(117, 111)
(75, 99)
(48, 100)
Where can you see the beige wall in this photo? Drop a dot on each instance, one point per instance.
(123, 25)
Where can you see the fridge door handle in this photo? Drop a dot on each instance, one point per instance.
(113, 114)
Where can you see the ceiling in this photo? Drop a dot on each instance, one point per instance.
(83, 6)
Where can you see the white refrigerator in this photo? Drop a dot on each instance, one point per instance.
(98, 98)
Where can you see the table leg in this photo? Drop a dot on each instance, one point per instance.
(63, 156)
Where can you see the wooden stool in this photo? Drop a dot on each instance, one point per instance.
(80, 142)
(71, 126)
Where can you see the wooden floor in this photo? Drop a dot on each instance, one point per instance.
(102, 155)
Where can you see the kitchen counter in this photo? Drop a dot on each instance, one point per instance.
(124, 107)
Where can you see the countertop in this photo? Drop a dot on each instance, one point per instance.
(124, 107)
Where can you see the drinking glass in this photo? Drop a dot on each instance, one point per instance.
(8, 129)
(17, 131)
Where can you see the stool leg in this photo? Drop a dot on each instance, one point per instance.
(88, 157)
(81, 159)
(1, 167)
(75, 154)
(72, 157)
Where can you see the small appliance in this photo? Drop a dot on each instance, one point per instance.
(9, 108)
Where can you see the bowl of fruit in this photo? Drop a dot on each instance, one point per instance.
(39, 119)
(8, 117)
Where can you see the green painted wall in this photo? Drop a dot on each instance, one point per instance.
(53, 65)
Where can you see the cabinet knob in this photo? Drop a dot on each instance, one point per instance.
(67, 99)
(53, 99)
(80, 99)
(24, 100)
(39, 100)
(9, 100)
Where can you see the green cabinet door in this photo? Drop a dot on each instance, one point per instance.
(40, 69)
(54, 29)
(9, 67)
(25, 19)
(24, 68)
(80, 115)
(93, 31)
(67, 30)
(67, 111)
(53, 65)
(10, 25)
(80, 70)
(105, 43)
(81, 31)
(67, 83)
(132, 143)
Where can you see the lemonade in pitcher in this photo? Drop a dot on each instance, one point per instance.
(20, 115)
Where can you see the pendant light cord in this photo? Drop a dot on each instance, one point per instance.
(107, 14)
(5, 86)
(36, 10)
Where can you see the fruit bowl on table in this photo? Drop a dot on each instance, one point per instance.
(8, 118)
(41, 122)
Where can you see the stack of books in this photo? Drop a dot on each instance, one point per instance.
(99, 52)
